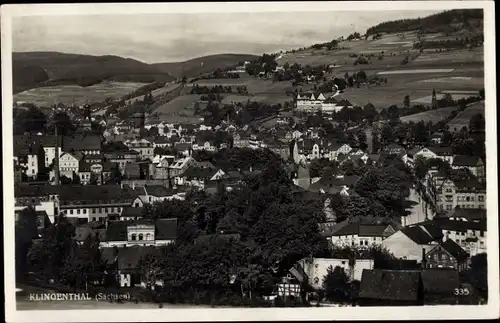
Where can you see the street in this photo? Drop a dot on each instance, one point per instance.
(417, 210)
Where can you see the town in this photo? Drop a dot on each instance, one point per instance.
(314, 199)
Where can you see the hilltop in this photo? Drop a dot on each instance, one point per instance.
(202, 65)
(34, 69)
(452, 21)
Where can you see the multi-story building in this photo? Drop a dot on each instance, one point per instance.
(361, 235)
(29, 156)
(466, 193)
(143, 147)
(181, 165)
(95, 202)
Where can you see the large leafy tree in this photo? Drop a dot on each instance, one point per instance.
(336, 285)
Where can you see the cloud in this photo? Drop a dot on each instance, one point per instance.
(174, 37)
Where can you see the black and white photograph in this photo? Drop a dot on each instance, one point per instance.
(249, 161)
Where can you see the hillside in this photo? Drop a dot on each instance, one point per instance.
(202, 65)
(34, 69)
(451, 21)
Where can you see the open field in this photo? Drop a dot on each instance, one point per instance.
(422, 71)
(456, 96)
(169, 87)
(270, 98)
(179, 105)
(463, 118)
(431, 115)
(67, 94)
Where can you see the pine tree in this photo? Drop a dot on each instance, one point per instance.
(434, 100)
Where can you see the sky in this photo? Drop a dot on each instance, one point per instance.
(156, 38)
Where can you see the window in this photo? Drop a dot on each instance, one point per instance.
(481, 234)
(94, 219)
(133, 237)
(70, 211)
(141, 237)
(472, 198)
(137, 204)
(148, 236)
(93, 210)
(106, 210)
(84, 211)
(100, 210)
(78, 211)
(467, 199)
(448, 207)
(480, 198)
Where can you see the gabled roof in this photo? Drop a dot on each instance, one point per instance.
(158, 190)
(467, 213)
(466, 161)
(381, 284)
(362, 230)
(82, 142)
(455, 250)
(165, 229)
(130, 211)
(200, 173)
(441, 151)
(419, 235)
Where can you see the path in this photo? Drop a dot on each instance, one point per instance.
(417, 210)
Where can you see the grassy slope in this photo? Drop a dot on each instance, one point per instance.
(194, 66)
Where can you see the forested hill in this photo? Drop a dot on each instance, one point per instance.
(448, 21)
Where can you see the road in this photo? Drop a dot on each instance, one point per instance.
(417, 210)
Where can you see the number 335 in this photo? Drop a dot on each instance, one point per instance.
(461, 291)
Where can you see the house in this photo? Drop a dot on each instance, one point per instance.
(184, 149)
(200, 144)
(468, 193)
(160, 166)
(161, 141)
(313, 102)
(408, 242)
(317, 268)
(470, 235)
(437, 138)
(447, 254)
(68, 165)
(473, 163)
(330, 184)
(143, 232)
(129, 213)
(143, 147)
(181, 165)
(361, 235)
(157, 193)
(123, 264)
(48, 143)
(94, 202)
(335, 149)
(281, 149)
(199, 176)
(443, 153)
(122, 158)
(41, 198)
(85, 144)
(101, 172)
(29, 155)
(394, 149)
(381, 287)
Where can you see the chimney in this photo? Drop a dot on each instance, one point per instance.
(121, 186)
(424, 260)
(133, 185)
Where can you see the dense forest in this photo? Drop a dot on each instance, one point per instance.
(446, 21)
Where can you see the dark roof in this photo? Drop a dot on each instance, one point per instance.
(419, 235)
(460, 226)
(470, 184)
(198, 172)
(26, 190)
(95, 193)
(82, 142)
(455, 250)
(158, 190)
(381, 284)
(363, 230)
(463, 160)
(130, 211)
(469, 214)
(440, 280)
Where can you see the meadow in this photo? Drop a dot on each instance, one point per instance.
(69, 94)
(431, 115)
(463, 118)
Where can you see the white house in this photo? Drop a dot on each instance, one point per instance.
(316, 269)
(68, 164)
(143, 232)
(360, 235)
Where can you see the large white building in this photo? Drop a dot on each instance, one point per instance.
(311, 102)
